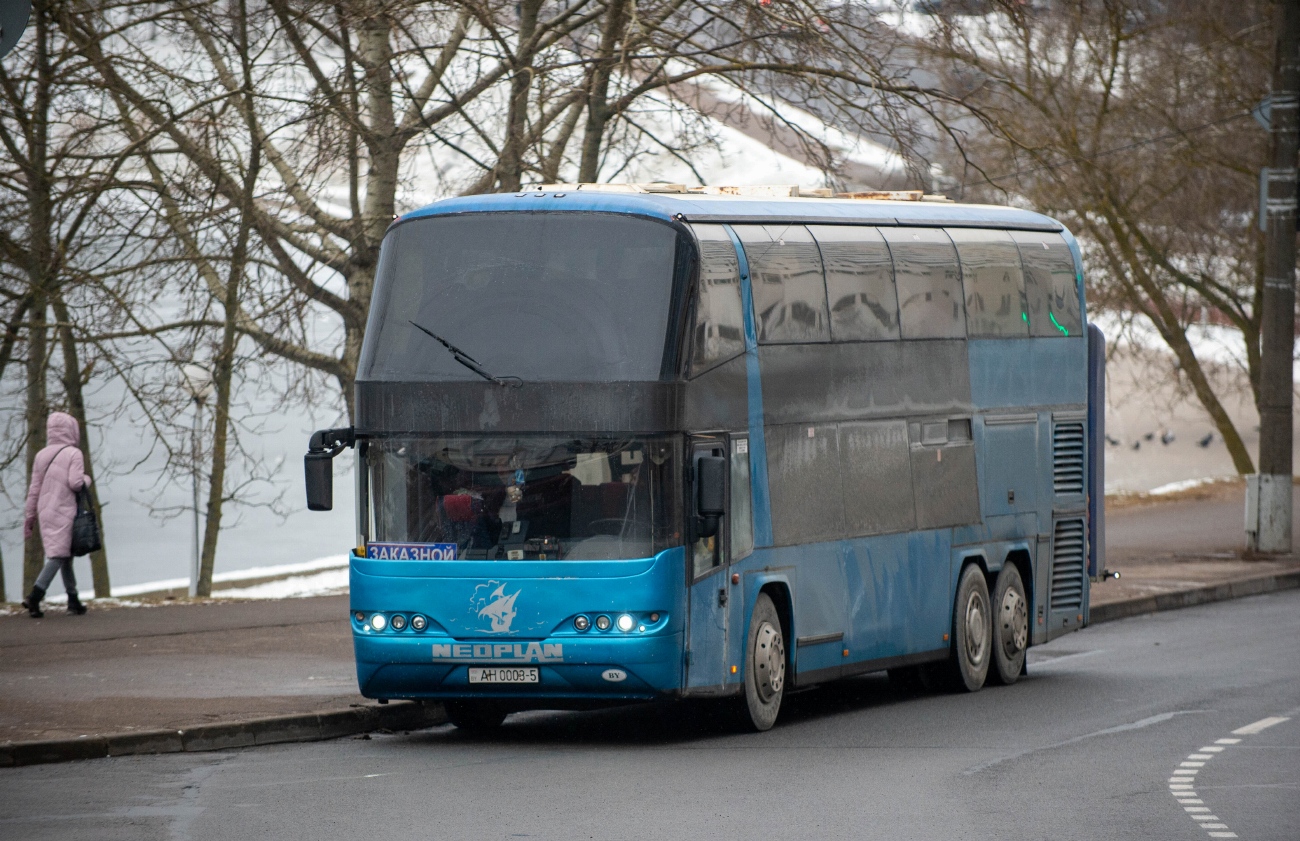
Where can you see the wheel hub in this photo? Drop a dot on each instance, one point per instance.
(769, 661)
(977, 630)
(1013, 616)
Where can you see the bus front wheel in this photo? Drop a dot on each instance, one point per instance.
(764, 666)
(475, 715)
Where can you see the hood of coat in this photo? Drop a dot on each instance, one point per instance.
(61, 430)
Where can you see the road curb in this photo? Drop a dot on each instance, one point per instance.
(1190, 598)
(310, 727)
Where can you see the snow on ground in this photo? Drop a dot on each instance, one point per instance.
(1186, 485)
(330, 582)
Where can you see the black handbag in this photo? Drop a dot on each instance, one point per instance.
(85, 528)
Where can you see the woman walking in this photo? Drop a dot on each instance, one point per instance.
(57, 474)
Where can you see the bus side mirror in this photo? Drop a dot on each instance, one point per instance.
(318, 465)
(711, 492)
(319, 468)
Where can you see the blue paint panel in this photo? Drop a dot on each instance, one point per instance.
(1028, 372)
(762, 500)
(737, 208)
(889, 595)
(544, 596)
(708, 631)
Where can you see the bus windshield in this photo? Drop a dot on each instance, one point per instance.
(527, 497)
(537, 296)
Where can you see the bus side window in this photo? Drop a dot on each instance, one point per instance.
(719, 329)
(707, 552)
(859, 283)
(929, 289)
(1051, 286)
(789, 289)
(741, 509)
(993, 282)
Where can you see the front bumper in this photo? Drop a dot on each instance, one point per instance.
(428, 667)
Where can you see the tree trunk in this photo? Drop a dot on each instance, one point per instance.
(77, 408)
(598, 94)
(510, 169)
(224, 364)
(37, 411)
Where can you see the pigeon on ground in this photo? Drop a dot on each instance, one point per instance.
(1112, 441)
(1167, 437)
(1137, 445)
(1149, 436)
(1206, 441)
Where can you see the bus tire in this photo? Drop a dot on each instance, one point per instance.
(972, 632)
(764, 667)
(1010, 626)
(475, 715)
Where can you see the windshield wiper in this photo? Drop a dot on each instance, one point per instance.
(465, 359)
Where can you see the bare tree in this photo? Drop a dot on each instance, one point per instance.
(351, 102)
(1130, 121)
(57, 173)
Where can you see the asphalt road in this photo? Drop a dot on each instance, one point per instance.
(1091, 744)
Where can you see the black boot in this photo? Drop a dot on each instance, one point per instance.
(33, 602)
(75, 607)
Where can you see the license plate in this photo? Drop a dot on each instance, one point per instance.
(479, 674)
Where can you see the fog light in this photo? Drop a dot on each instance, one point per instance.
(419, 623)
(602, 622)
(378, 622)
(359, 616)
(654, 617)
(626, 623)
(582, 623)
(399, 622)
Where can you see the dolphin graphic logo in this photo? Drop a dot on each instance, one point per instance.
(495, 605)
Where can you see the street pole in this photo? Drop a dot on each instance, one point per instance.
(1268, 496)
(197, 380)
(194, 471)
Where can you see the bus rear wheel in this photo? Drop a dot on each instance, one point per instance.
(764, 667)
(972, 632)
(1010, 626)
(475, 715)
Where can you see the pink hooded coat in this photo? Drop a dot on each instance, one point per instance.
(57, 475)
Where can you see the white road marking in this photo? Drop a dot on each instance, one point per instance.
(1180, 784)
(1259, 726)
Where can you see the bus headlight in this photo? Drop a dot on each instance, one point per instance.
(378, 622)
(419, 623)
(602, 622)
(626, 623)
(399, 622)
(581, 622)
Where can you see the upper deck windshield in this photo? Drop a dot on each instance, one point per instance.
(528, 497)
(579, 297)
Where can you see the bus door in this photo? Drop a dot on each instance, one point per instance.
(706, 650)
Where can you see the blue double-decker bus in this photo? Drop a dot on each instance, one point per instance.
(618, 446)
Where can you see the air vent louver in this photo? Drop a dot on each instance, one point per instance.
(1067, 458)
(1067, 565)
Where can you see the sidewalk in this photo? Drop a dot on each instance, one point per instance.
(237, 673)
